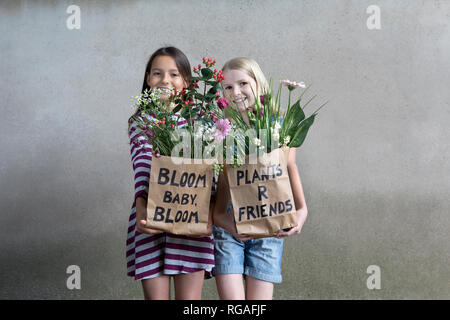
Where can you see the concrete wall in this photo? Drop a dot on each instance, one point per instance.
(375, 165)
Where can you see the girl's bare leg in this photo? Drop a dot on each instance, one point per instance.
(189, 286)
(230, 286)
(258, 289)
(156, 288)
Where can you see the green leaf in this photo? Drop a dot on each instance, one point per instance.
(212, 90)
(199, 96)
(207, 73)
(187, 113)
(210, 96)
(213, 83)
(177, 108)
(296, 115)
(196, 78)
(300, 134)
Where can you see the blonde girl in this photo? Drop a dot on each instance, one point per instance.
(238, 256)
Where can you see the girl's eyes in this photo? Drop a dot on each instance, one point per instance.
(242, 84)
(157, 73)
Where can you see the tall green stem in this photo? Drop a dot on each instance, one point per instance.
(289, 103)
(203, 100)
(287, 113)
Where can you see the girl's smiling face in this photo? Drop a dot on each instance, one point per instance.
(240, 88)
(164, 74)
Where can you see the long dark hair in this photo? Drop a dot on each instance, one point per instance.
(181, 61)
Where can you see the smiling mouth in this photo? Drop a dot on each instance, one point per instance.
(240, 100)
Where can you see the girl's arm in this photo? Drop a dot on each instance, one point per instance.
(141, 157)
(141, 217)
(299, 197)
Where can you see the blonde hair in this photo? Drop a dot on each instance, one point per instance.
(252, 69)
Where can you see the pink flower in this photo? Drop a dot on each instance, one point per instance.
(222, 127)
(262, 98)
(222, 103)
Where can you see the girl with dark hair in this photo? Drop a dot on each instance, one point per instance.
(177, 58)
(154, 256)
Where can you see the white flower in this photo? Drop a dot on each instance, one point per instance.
(287, 139)
(168, 91)
(209, 134)
(257, 142)
(292, 84)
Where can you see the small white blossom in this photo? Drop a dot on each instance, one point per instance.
(209, 134)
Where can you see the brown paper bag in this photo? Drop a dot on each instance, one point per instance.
(179, 197)
(261, 193)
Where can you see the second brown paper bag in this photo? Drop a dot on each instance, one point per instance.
(261, 194)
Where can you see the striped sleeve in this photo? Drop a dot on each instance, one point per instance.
(141, 158)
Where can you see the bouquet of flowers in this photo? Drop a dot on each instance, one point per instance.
(199, 108)
(274, 127)
(183, 126)
(261, 193)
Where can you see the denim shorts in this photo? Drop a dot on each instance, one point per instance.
(258, 258)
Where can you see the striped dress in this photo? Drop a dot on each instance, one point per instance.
(150, 256)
